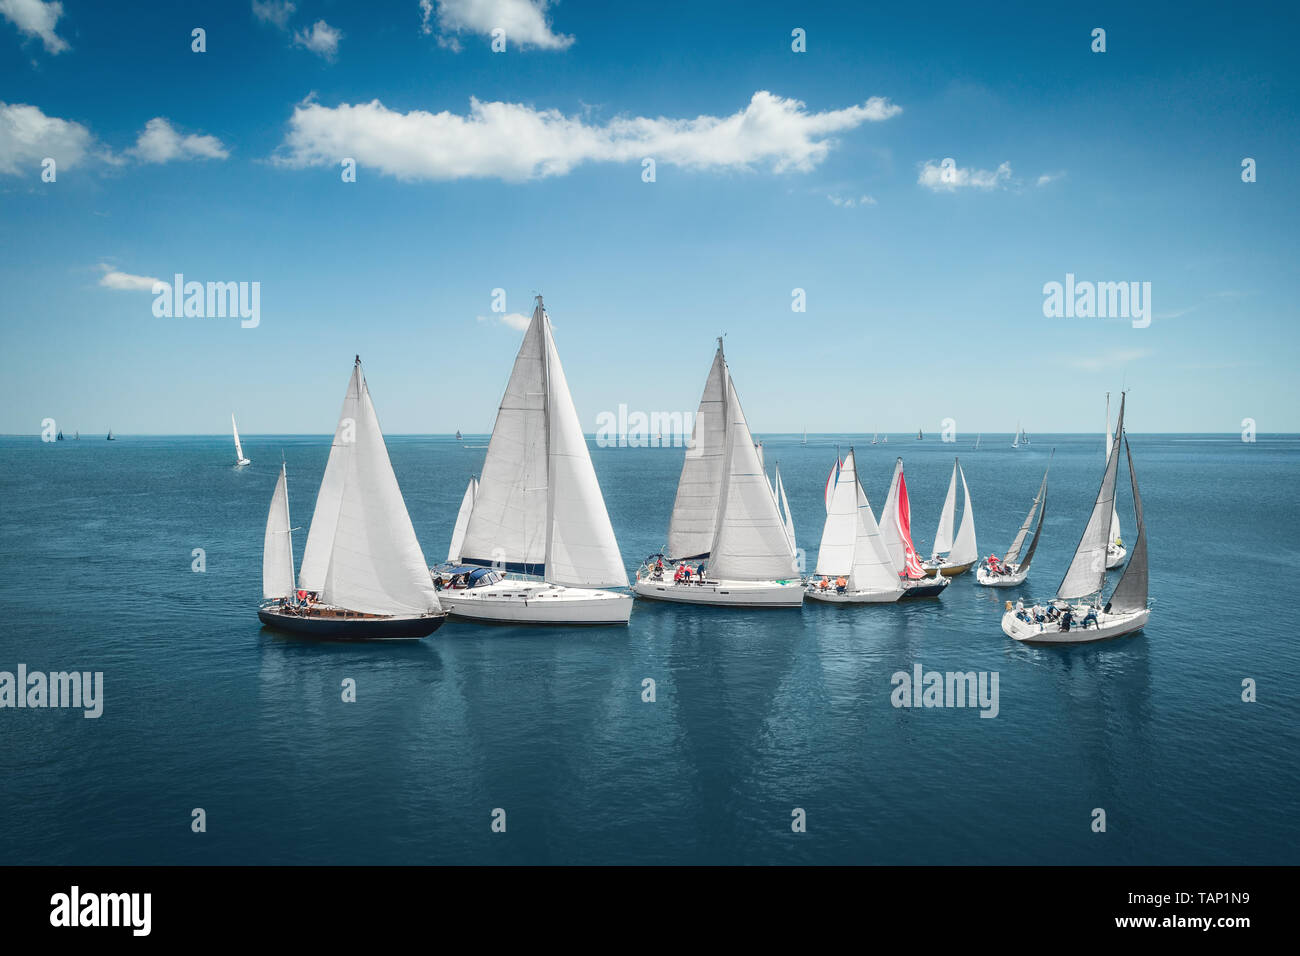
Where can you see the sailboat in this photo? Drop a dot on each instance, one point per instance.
(1115, 550)
(458, 435)
(240, 460)
(919, 436)
(59, 436)
(76, 436)
(110, 435)
(853, 566)
(805, 437)
(1013, 569)
(538, 510)
(962, 552)
(725, 514)
(873, 437)
(977, 440)
(1089, 618)
(1015, 442)
(462, 520)
(363, 576)
(896, 532)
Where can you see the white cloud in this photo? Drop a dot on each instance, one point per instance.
(426, 11)
(274, 12)
(515, 320)
(160, 143)
(524, 21)
(28, 136)
(937, 177)
(322, 39)
(36, 18)
(113, 279)
(848, 202)
(515, 142)
(1046, 178)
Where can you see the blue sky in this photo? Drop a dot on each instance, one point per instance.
(924, 300)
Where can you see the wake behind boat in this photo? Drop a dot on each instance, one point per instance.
(853, 566)
(363, 575)
(536, 510)
(727, 541)
(1088, 619)
(1011, 570)
(896, 532)
(950, 556)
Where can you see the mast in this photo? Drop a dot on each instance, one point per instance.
(1086, 575)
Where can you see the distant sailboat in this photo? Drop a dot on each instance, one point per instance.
(59, 436)
(1089, 619)
(919, 436)
(110, 435)
(1115, 550)
(363, 575)
(725, 513)
(240, 460)
(977, 440)
(853, 566)
(805, 437)
(76, 436)
(874, 436)
(458, 435)
(538, 509)
(1015, 442)
(961, 552)
(896, 532)
(1012, 569)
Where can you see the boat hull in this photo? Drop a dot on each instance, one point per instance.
(1109, 626)
(923, 588)
(762, 594)
(990, 580)
(516, 602)
(1115, 556)
(832, 596)
(353, 628)
(947, 570)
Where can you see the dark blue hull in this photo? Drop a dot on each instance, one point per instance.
(330, 628)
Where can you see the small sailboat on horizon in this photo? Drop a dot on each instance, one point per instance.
(110, 436)
(363, 575)
(725, 516)
(1013, 570)
(896, 532)
(537, 509)
(1078, 614)
(240, 460)
(953, 556)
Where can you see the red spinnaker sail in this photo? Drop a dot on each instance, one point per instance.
(911, 565)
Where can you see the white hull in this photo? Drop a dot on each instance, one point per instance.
(242, 462)
(536, 602)
(832, 596)
(990, 580)
(1115, 555)
(724, 593)
(1108, 626)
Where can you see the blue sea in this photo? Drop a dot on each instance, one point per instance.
(757, 713)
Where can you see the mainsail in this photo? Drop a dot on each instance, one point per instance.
(239, 451)
(1086, 574)
(943, 537)
(964, 549)
(851, 543)
(1114, 515)
(538, 507)
(1131, 592)
(896, 527)
(277, 546)
(1039, 508)
(695, 510)
(462, 522)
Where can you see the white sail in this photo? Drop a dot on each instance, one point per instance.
(835, 556)
(1115, 536)
(508, 525)
(964, 549)
(239, 451)
(277, 546)
(872, 568)
(324, 519)
(889, 531)
(581, 550)
(375, 564)
(751, 542)
(462, 522)
(943, 537)
(695, 510)
(784, 504)
(1086, 574)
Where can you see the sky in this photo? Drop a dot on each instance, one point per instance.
(775, 170)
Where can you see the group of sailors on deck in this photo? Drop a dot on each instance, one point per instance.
(682, 574)
(841, 584)
(997, 567)
(1062, 617)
